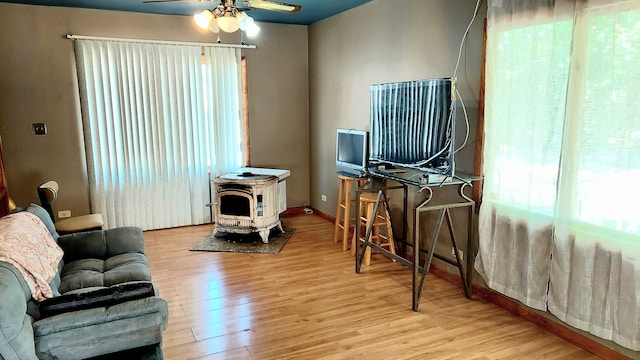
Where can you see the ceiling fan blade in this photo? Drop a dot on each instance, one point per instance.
(273, 6)
(166, 1)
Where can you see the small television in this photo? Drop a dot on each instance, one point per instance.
(351, 152)
(412, 125)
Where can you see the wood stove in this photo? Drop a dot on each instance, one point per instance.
(246, 203)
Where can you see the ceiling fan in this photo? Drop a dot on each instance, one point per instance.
(226, 16)
(256, 4)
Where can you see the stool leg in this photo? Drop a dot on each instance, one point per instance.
(358, 227)
(392, 242)
(347, 216)
(339, 212)
(370, 217)
(353, 238)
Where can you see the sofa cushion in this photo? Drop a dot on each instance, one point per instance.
(102, 244)
(96, 272)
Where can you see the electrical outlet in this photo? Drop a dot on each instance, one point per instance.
(324, 197)
(62, 214)
(38, 129)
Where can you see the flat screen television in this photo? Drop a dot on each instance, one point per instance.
(412, 125)
(351, 152)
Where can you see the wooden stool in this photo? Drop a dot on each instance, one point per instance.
(380, 220)
(343, 212)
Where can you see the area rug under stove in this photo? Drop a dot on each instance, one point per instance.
(245, 243)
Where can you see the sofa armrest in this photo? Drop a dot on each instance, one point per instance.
(88, 317)
(16, 334)
(93, 332)
(102, 244)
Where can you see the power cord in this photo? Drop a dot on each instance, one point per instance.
(455, 74)
(464, 37)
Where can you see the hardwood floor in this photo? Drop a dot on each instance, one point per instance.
(307, 303)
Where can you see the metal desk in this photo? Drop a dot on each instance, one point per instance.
(415, 179)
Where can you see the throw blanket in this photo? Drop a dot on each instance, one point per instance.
(26, 244)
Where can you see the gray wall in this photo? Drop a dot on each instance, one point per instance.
(279, 105)
(38, 84)
(384, 41)
(388, 41)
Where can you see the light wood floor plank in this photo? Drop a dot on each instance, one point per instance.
(307, 302)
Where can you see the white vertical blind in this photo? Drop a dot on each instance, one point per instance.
(148, 132)
(224, 99)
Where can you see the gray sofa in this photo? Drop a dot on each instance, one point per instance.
(92, 261)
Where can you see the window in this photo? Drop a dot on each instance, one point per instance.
(559, 229)
(598, 143)
(158, 123)
(606, 133)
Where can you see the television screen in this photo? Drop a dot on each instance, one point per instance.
(351, 152)
(412, 125)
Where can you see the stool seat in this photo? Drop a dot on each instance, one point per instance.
(343, 211)
(381, 219)
(80, 223)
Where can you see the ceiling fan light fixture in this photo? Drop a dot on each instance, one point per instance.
(228, 23)
(203, 19)
(245, 20)
(252, 30)
(213, 27)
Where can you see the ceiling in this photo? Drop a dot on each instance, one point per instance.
(312, 10)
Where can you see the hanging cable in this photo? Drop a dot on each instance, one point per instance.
(464, 36)
(455, 74)
(466, 120)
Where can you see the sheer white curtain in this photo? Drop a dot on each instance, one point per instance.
(528, 49)
(150, 130)
(558, 225)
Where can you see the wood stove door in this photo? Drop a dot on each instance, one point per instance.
(235, 203)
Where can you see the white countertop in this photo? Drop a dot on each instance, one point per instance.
(280, 173)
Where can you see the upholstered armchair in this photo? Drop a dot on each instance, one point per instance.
(48, 193)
